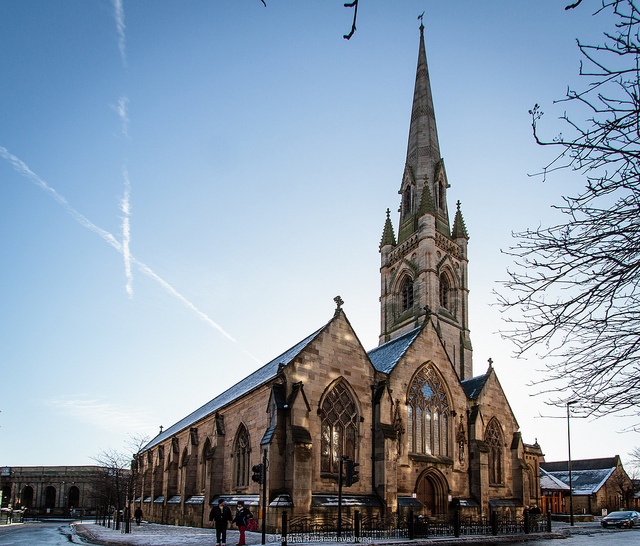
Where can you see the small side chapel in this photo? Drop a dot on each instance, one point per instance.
(428, 434)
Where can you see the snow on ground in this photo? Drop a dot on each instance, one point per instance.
(164, 535)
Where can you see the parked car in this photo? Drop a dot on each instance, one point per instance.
(621, 519)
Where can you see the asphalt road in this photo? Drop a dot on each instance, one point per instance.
(37, 534)
(609, 537)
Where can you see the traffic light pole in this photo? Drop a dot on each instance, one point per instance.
(340, 499)
(264, 495)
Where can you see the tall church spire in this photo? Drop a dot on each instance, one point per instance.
(426, 269)
(423, 150)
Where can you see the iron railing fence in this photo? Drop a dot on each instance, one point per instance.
(368, 528)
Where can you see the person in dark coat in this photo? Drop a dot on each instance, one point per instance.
(138, 515)
(221, 515)
(243, 515)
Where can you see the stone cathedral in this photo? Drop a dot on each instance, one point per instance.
(428, 434)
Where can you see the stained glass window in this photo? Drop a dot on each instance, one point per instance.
(493, 438)
(338, 429)
(428, 412)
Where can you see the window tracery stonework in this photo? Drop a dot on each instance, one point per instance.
(339, 428)
(428, 414)
(493, 439)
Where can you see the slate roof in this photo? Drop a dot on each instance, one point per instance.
(550, 482)
(584, 482)
(257, 378)
(581, 464)
(473, 387)
(385, 357)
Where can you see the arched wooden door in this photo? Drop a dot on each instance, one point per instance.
(426, 493)
(432, 490)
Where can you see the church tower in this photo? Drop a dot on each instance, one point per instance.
(424, 273)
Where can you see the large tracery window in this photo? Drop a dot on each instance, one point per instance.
(241, 452)
(339, 428)
(428, 414)
(406, 293)
(493, 439)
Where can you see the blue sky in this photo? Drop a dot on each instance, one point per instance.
(185, 186)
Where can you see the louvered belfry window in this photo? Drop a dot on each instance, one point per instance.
(339, 428)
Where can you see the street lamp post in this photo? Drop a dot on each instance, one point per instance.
(570, 476)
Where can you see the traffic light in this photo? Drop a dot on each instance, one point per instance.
(352, 474)
(258, 474)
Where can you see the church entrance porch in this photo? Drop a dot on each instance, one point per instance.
(432, 490)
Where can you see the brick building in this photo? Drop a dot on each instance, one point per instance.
(426, 432)
(598, 485)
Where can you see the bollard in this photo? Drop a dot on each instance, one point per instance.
(456, 523)
(494, 523)
(549, 521)
(356, 525)
(527, 522)
(284, 528)
(410, 524)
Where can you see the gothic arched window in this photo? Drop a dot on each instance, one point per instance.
(406, 201)
(445, 292)
(338, 429)
(406, 293)
(241, 452)
(428, 414)
(493, 439)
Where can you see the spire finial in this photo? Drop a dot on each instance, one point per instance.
(339, 303)
(421, 23)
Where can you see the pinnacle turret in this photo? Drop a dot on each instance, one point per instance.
(459, 228)
(388, 236)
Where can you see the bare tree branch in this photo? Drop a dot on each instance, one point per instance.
(573, 294)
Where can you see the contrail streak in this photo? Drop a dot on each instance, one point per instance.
(24, 170)
(121, 109)
(126, 232)
(118, 9)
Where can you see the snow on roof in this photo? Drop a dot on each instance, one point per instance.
(385, 357)
(257, 378)
(473, 387)
(549, 482)
(584, 482)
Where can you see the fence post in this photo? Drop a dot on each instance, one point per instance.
(410, 524)
(356, 525)
(456, 523)
(494, 523)
(284, 528)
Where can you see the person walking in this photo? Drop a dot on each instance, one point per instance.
(243, 515)
(221, 515)
(138, 515)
